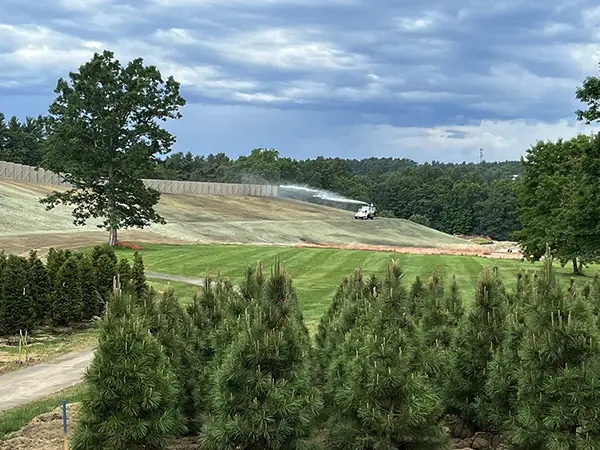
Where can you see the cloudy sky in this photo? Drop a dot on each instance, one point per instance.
(351, 78)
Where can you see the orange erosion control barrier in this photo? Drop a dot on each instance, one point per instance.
(464, 251)
(129, 245)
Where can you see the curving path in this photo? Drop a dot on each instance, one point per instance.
(41, 380)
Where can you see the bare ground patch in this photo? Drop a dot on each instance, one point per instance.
(467, 250)
(45, 432)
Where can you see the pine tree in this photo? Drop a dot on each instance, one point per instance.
(67, 299)
(17, 307)
(39, 286)
(558, 387)
(2, 261)
(170, 330)
(454, 305)
(417, 291)
(206, 313)
(496, 406)
(130, 393)
(323, 342)
(262, 396)
(93, 302)
(478, 336)
(124, 272)
(99, 250)
(138, 276)
(433, 315)
(54, 261)
(437, 330)
(344, 337)
(105, 271)
(385, 399)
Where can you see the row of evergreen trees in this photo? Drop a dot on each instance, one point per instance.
(390, 366)
(71, 287)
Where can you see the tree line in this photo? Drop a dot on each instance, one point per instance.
(392, 366)
(71, 287)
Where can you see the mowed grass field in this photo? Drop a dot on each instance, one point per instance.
(316, 272)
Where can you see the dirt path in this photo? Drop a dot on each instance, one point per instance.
(34, 382)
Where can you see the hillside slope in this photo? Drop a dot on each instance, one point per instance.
(207, 219)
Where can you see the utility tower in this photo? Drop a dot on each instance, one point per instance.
(480, 155)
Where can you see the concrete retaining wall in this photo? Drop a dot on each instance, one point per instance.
(20, 172)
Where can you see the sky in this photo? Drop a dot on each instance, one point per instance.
(436, 80)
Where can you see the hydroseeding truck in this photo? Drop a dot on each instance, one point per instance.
(366, 212)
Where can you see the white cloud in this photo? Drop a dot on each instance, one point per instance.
(176, 36)
(249, 3)
(499, 140)
(84, 5)
(284, 48)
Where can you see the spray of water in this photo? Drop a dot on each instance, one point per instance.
(322, 194)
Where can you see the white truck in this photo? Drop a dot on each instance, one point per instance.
(366, 212)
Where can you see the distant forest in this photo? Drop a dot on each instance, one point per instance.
(465, 198)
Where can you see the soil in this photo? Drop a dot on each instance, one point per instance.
(474, 250)
(21, 244)
(45, 432)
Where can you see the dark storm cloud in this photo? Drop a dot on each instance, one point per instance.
(350, 77)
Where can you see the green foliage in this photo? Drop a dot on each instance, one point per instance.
(420, 219)
(138, 276)
(557, 378)
(17, 307)
(67, 298)
(131, 396)
(386, 214)
(54, 261)
(563, 171)
(106, 270)
(40, 286)
(93, 301)
(124, 272)
(170, 330)
(385, 399)
(21, 142)
(589, 93)
(103, 134)
(208, 340)
(262, 396)
(479, 335)
(100, 250)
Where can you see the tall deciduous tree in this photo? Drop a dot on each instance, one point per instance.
(558, 200)
(104, 133)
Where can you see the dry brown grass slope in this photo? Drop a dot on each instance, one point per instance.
(24, 223)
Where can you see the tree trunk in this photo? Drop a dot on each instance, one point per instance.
(112, 231)
(112, 236)
(575, 266)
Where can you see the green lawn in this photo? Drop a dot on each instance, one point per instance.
(316, 272)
